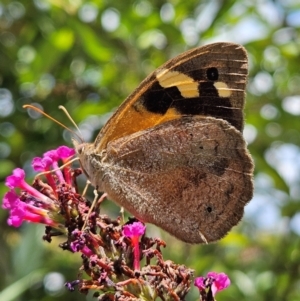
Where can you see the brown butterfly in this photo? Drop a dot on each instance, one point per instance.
(173, 153)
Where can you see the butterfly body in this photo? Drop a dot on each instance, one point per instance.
(173, 153)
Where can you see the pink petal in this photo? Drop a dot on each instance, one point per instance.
(16, 216)
(213, 275)
(199, 282)
(134, 229)
(10, 199)
(216, 281)
(65, 152)
(52, 154)
(16, 178)
(41, 164)
(222, 281)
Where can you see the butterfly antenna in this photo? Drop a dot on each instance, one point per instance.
(72, 121)
(56, 121)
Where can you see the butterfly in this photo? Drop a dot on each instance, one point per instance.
(173, 153)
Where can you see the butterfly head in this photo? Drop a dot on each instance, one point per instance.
(88, 159)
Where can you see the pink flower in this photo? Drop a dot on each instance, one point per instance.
(200, 283)
(41, 164)
(52, 155)
(134, 231)
(31, 204)
(213, 281)
(20, 211)
(17, 180)
(51, 158)
(10, 199)
(221, 281)
(16, 216)
(64, 152)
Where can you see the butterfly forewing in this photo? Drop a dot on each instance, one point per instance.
(207, 81)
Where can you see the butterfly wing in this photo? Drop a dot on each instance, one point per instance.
(206, 81)
(190, 176)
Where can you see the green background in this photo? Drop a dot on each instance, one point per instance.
(88, 56)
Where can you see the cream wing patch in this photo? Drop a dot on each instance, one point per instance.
(223, 89)
(186, 85)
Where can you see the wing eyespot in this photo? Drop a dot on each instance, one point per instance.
(212, 73)
(209, 209)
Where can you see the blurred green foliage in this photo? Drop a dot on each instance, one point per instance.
(88, 56)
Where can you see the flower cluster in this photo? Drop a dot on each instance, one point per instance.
(111, 250)
(39, 203)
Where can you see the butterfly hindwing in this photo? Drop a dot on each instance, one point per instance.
(191, 177)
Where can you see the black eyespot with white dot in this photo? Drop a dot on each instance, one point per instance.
(212, 73)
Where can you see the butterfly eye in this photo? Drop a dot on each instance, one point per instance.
(80, 149)
(212, 73)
